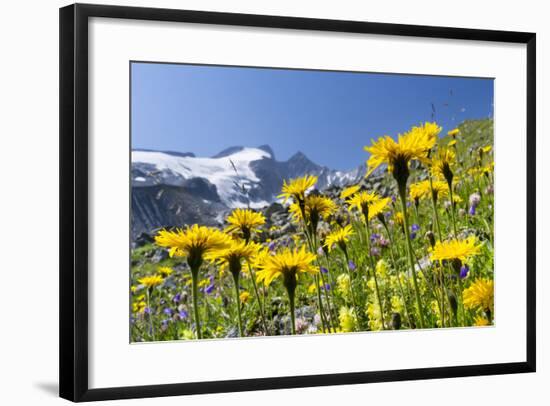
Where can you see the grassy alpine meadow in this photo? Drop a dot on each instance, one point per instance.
(413, 251)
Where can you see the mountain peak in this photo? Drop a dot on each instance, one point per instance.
(267, 149)
(229, 151)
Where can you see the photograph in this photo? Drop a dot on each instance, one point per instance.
(276, 202)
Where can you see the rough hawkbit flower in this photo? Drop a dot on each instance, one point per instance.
(324, 270)
(464, 270)
(351, 265)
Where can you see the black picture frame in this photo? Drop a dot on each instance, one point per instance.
(73, 300)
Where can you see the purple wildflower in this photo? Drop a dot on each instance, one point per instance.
(351, 265)
(272, 245)
(464, 270)
(375, 251)
(324, 270)
(167, 311)
(177, 298)
(472, 211)
(183, 314)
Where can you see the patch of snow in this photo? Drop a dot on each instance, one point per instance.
(224, 172)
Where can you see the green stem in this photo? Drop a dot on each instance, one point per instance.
(292, 316)
(238, 302)
(394, 263)
(403, 192)
(150, 316)
(434, 207)
(380, 304)
(257, 294)
(453, 209)
(194, 279)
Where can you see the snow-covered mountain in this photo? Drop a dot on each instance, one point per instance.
(171, 188)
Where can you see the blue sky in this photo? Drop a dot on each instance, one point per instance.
(329, 116)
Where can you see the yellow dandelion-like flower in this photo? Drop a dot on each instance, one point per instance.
(233, 255)
(165, 271)
(368, 203)
(315, 207)
(442, 163)
(479, 294)
(451, 143)
(486, 149)
(455, 249)
(339, 236)
(245, 221)
(244, 296)
(349, 191)
(453, 133)
(193, 242)
(296, 188)
(398, 218)
(414, 144)
(151, 281)
(481, 321)
(288, 264)
(348, 319)
(422, 190)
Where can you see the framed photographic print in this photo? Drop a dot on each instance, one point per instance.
(256, 202)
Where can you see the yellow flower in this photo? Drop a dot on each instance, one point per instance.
(381, 268)
(339, 236)
(343, 285)
(244, 296)
(151, 281)
(296, 188)
(375, 316)
(480, 321)
(455, 249)
(165, 271)
(414, 144)
(316, 207)
(480, 294)
(397, 304)
(233, 255)
(453, 133)
(192, 242)
(369, 204)
(348, 319)
(398, 218)
(349, 191)
(451, 143)
(487, 148)
(442, 164)
(246, 221)
(288, 264)
(422, 190)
